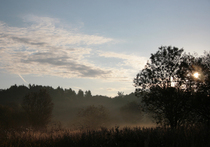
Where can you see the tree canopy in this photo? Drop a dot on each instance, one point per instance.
(161, 70)
(169, 88)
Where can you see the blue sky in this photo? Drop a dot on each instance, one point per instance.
(97, 45)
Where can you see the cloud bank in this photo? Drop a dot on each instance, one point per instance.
(44, 47)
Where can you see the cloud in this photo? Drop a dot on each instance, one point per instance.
(44, 47)
(40, 20)
(132, 61)
(69, 66)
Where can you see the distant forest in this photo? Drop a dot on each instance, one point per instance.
(70, 108)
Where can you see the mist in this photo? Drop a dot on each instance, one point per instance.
(76, 110)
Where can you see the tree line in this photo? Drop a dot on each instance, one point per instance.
(7, 95)
(37, 107)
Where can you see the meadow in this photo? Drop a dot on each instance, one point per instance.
(76, 122)
(113, 137)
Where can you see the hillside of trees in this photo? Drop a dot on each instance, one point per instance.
(70, 108)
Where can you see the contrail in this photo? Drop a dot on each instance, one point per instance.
(23, 79)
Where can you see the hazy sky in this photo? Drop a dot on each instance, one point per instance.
(97, 45)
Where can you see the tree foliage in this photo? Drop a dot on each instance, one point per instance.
(166, 85)
(201, 89)
(38, 107)
(170, 106)
(11, 118)
(80, 94)
(120, 94)
(88, 94)
(161, 70)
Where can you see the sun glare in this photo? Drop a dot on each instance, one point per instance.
(196, 74)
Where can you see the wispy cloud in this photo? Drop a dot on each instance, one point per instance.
(43, 47)
(132, 61)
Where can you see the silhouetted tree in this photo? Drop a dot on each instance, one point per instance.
(88, 94)
(161, 86)
(38, 107)
(5, 117)
(161, 70)
(120, 94)
(11, 118)
(201, 88)
(80, 94)
(70, 93)
(170, 106)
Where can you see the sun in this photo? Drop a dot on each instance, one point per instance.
(196, 74)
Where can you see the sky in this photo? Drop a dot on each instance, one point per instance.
(96, 45)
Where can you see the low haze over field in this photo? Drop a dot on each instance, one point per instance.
(91, 44)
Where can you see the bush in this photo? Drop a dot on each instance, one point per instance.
(38, 108)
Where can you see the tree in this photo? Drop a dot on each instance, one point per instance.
(170, 106)
(201, 89)
(80, 94)
(38, 107)
(6, 117)
(160, 84)
(120, 94)
(161, 70)
(197, 87)
(11, 118)
(70, 93)
(88, 94)
(201, 105)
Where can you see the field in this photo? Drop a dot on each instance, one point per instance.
(113, 137)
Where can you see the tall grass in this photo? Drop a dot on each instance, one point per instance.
(114, 137)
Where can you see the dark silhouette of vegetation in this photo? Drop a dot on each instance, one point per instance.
(169, 105)
(80, 94)
(170, 90)
(67, 104)
(162, 70)
(165, 100)
(200, 88)
(120, 94)
(38, 108)
(11, 118)
(114, 137)
(88, 94)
